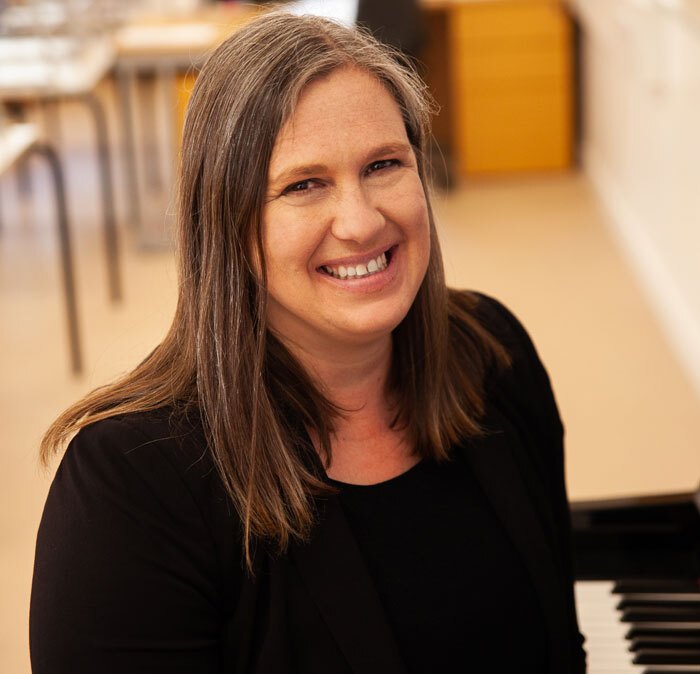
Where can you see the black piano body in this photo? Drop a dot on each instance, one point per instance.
(638, 537)
(638, 560)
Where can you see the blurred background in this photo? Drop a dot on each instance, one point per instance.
(567, 184)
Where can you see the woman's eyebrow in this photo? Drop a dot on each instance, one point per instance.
(298, 172)
(390, 148)
(302, 171)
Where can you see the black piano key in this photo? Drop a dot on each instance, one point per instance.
(664, 656)
(665, 641)
(665, 585)
(640, 631)
(628, 602)
(682, 597)
(650, 613)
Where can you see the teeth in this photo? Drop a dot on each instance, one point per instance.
(373, 266)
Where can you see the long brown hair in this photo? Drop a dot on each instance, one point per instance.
(255, 400)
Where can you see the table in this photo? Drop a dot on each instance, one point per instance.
(165, 47)
(54, 67)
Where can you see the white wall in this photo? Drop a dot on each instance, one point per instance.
(641, 145)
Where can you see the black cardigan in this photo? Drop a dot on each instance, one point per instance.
(138, 560)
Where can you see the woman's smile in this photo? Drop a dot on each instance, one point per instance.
(350, 269)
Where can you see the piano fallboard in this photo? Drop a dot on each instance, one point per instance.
(637, 537)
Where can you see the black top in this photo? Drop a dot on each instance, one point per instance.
(454, 591)
(138, 559)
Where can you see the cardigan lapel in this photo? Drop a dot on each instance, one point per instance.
(493, 464)
(337, 580)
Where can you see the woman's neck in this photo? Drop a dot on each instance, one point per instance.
(353, 378)
(365, 448)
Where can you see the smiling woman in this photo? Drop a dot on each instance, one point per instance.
(332, 463)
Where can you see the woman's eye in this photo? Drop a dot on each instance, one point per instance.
(301, 186)
(382, 164)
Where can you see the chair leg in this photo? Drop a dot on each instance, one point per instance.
(17, 112)
(66, 254)
(51, 113)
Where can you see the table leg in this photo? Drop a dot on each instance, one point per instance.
(110, 220)
(168, 86)
(66, 254)
(150, 137)
(125, 83)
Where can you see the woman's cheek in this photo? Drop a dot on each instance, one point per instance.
(295, 232)
(408, 206)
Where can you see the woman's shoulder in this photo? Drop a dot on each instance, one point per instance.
(525, 383)
(502, 324)
(135, 436)
(159, 459)
(495, 317)
(149, 443)
(161, 425)
(137, 551)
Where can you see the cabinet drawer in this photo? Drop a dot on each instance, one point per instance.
(516, 131)
(514, 61)
(514, 19)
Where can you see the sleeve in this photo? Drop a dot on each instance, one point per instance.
(529, 383)
(125, 575)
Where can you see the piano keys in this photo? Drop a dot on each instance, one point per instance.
(626, 634)
(637, 565)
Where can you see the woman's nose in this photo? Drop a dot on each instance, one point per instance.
(356, 217)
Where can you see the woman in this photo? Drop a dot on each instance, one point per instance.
(331, 463)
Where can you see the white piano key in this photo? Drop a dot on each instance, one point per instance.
(607, 648)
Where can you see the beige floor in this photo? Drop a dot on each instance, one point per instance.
(539, 244)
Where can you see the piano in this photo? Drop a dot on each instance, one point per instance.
(637, 570)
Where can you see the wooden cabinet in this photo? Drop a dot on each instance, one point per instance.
(511, 85)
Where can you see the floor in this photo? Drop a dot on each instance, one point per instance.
(540, 244)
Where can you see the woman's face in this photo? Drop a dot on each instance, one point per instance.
(345, 224)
